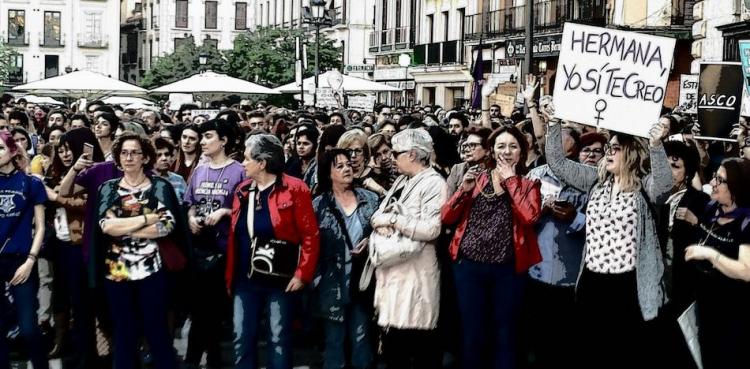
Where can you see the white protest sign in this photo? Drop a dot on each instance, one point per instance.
(328, 98)
(689, 93)
(362, 102)
(612, 79)
(210, 113)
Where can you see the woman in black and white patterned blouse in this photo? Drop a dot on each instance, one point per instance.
(620, 286)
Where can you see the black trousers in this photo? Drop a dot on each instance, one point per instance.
(209, 308)
(612, 327)
(549, 332)
(411, 349)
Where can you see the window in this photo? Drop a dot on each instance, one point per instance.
(138, 8)
(92, 28)
(430, 28)
(211, 42)
(51, 66)
(181, 11)
(15, 74)
(384, 23)
(240, 16)
(51, 28)
(446, 23)
(17, 27)
(180, 41)
(398, 14)
(260, 15)
(211, 7)
(92, 63)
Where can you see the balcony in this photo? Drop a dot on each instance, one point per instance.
(548, 14)
(16, 40)
(92, 42)
(439, 53)
(393, 39)
(51, 42)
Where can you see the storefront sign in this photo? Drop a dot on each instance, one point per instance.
(543, 46)
(719, 97)
(689, 93)
(612, 79)
(359, 68)
(382, 73)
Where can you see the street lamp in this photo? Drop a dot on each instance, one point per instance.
(203, 59)
(316, 15)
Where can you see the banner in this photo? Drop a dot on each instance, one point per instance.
(719, 97)
(612, 79)
(745, 59)
(362, 102)
(209, 113)
(328, 98)
(689, 93)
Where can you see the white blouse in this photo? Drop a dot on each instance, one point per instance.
(611, 240)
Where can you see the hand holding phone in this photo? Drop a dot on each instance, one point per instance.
(88, 151)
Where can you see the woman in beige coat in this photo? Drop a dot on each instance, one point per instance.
(407, 293)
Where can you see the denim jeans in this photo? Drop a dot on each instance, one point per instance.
(144, 300)
(251, 299)
(25, 298)
(355, 327)
(489, 298)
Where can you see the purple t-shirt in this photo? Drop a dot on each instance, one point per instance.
(90, 179)
(211, 189)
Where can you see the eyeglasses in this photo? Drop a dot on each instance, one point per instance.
(397, 153)
(4, 128)
(612, 149)
(719, 180)
(355, 152)
(470, 146)
(586, 151)
(127, 154)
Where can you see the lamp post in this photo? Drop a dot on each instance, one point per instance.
(316, 15)
(202, 60)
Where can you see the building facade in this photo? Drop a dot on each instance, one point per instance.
(351, 27)
(719, 25)
(52, 37)
(155, 28)
(394, 35)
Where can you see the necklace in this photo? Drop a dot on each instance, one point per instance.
(134, 186)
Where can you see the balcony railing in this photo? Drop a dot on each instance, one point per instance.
(19, 40)
(547, 14)
(43, 42)
(391, 39)
(438, 53)
(92, 42)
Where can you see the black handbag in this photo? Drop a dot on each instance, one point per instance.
(271, 259)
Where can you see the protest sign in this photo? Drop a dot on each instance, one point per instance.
(328, 98)
(689, 93)
(745, 59)
(612, 79)
(209, 113)
(719, 97)
(362, 102)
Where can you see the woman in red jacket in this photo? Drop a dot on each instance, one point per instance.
(282, 210)
(493, 247)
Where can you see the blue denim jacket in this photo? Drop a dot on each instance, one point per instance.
(332, 276)
(561, 243)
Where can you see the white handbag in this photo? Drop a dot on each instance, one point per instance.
(394, 248)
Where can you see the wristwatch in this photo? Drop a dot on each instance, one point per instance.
(394, 218)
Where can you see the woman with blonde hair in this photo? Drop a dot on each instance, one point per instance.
(621, 282)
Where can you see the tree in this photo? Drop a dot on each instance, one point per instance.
(183, 63)
(5, 62)
(267, 56)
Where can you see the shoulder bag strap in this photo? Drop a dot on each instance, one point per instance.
(251, 213)
(16, 222)
(340, 220)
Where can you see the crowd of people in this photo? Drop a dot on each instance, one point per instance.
(414, 237)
